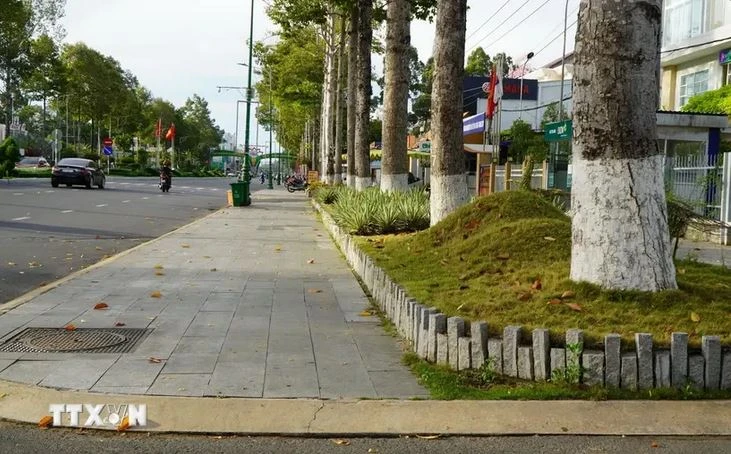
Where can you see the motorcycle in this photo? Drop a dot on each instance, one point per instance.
(295, 183)
(165, 182)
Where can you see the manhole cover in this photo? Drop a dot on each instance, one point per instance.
(82, 340)
(67, 341)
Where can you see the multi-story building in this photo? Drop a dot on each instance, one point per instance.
(696, 49)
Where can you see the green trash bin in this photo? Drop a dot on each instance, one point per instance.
(240, 194)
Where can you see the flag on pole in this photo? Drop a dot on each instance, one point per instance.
(158, 128)
(495, 92)
(171, 132)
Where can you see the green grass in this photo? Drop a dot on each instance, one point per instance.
(482, 261)
(446, 384)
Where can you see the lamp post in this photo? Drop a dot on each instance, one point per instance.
(563, 61)
(246, 177)
(522, 73)
(271, 124)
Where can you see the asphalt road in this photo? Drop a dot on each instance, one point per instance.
(47, 233)
(20, 439)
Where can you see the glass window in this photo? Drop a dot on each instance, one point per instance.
(683, 19)
(692, 84)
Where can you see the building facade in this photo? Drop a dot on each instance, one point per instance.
(696, 49)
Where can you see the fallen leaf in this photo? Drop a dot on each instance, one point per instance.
(365, 314)
(341, 442)
(311, 261)
(69, 327)
(159, 273)
(278, 248)
(464, 287)
(504, 256)
(654, 445)
(156, 294)
(46, 421)
(3, 395)
(524, 296)
(568, 294)
(681, 270)
(428, 437)
(537, 285)
(314, 290)
(152, 359)
(98, 248)
(443, 262)
(185, 245)
(459, 308)
(554, 301)
(120, 324)
(549, 238)
(695, 317)
(11, 263)
(213, 269)
(158, 267)
(575, 307)
(101, 305)
(124, 425)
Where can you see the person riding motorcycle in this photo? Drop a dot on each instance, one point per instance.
(167, 173)
(262, 178)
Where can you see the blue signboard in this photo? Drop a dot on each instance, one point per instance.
(473, 124)
(107, 150)
(724, 56)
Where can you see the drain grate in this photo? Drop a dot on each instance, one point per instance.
(81, 340)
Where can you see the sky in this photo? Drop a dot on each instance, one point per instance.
(177, 48)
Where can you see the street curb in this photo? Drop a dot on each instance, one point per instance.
(313, 417)
(24, 298)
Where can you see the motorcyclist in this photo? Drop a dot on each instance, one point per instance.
(167, 172)
(262, 178)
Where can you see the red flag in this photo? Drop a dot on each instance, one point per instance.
(491, 101)
(158, 128)
(171, 132)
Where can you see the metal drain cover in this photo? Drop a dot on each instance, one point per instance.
(82, 340)
(68, 341)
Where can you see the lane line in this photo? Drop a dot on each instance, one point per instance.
(67, 211)
(101, 205)
(125, 201)
(23, 218)
(17, 193)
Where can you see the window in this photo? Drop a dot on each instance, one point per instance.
(692, 84)
(683, 19)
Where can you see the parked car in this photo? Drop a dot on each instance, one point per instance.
(32, 162)
(70, 171)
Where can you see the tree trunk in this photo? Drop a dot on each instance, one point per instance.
(328, 103)
(394, 163)
(448, 183)
(352, 71)
(620, 237)
(339, 103)
(363, 96)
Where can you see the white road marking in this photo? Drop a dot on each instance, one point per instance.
(101, 205)
(50, 192)
(125, 201)
(126, 182)
(67, 211)
(17, 193)
(23, 218)
(145, 198)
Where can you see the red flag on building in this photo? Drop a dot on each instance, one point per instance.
(493, 96)
(158, 128)
(171, 132)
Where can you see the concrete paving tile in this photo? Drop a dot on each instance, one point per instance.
(77, 373)
(119, 389)
(218, 302)
(11, 355)
(4, 363)
(131, 371)
(180, 385)
(210, 324)
(200, 344)
(239, 379)
(289, 381)
(190, 363)
(29, 372)
(397, 384)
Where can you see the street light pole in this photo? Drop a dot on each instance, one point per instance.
(522, 73)
(271, 144)
(563, 61)
(246, 177)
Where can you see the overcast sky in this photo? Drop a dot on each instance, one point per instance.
(180, 47)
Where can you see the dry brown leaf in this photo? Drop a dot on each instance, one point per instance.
(654, 445)
(185, 245)
(681, 270)
(695, 317)
(152, 359)
(365, 314)
(158, 267)
(537, 285)
(549, 238)
(554, 301)
(101, 305)
(311, 261)
(314, 290)
(46, 421)
(159, 273)
(213, 269)
(575, 307)
(69, 327)
(428, 437)
(278, 248)
(341, 442)
(568, 294)
(124, 425)
(98, 248)
(120, 324)
(504, 256)
(156, 294)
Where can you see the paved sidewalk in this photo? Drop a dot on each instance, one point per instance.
(254, 302)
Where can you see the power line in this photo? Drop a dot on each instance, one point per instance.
(556, 28)
(555, 38)
(500, 24)
(696, 45)
(566, 98)
(488, 19)
(524, 19)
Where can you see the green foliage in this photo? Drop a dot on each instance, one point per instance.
(713, 101)
(9, 155)
(527, 146)
(571, 374)
(373, 212)
(327, 195)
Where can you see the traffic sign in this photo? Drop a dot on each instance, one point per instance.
(108, 141)
(107, 150)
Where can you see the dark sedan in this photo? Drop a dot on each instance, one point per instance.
(70, 171)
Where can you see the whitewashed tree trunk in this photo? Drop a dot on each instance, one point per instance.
(363, 96)
(448, 183)
(394, 161)
(352, 70)
(339, 104)
(620, 237)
